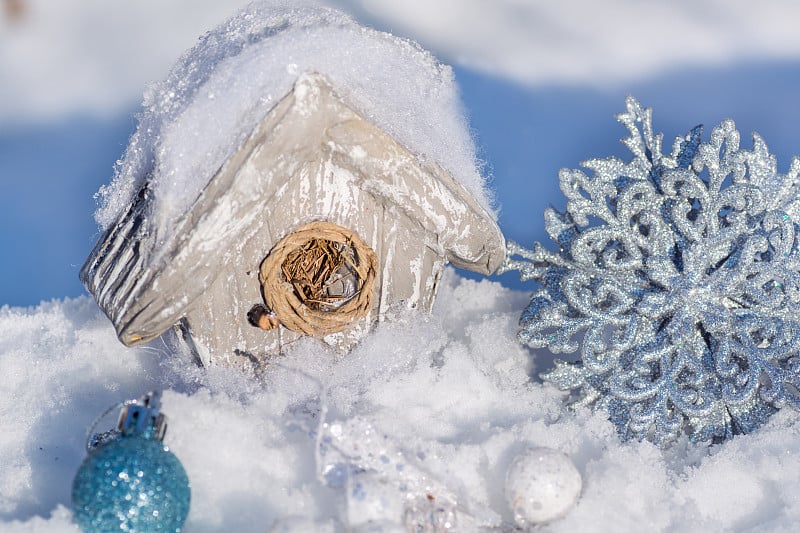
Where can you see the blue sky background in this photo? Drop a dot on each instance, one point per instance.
(541, 94)
(49, 172)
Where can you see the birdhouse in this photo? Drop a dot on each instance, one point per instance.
(319, 224)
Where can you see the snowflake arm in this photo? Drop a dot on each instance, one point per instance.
(676, 279)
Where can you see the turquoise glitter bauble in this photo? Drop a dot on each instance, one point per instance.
(131, 481)
(131, 484)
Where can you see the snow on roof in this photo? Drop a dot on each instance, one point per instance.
(222, 88)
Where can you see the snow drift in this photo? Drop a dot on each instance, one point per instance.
(448, 397)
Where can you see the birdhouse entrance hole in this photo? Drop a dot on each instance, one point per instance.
(322, 273)
(319, 279)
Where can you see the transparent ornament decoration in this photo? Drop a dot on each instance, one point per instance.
(130, 481)
(388, 487)
(676, 279)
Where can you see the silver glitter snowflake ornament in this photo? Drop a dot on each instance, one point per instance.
(677, 278)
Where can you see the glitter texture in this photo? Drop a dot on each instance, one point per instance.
(676, 280)
(133, 483)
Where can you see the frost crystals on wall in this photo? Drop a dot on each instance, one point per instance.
(677, 277)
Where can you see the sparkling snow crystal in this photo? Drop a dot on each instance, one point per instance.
(678, 278)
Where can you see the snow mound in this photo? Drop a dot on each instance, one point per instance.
(221, 89)
(419, 426)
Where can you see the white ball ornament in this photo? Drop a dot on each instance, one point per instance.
(542, 484)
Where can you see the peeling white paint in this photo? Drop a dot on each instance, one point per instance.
(294, 169)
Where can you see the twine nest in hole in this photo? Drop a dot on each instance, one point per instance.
(319, 279)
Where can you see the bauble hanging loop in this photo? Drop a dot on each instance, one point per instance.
(130, 481)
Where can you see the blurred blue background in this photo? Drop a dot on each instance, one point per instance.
(49, 170)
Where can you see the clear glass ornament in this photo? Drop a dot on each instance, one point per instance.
(130, 481)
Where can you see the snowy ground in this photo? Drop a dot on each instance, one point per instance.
(453, 398)
(448, 397)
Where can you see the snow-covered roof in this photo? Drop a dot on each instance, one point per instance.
(222, 88)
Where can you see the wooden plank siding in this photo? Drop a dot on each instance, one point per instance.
(312, 158)
(406, 276)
